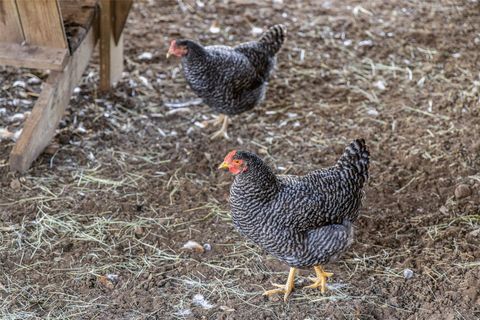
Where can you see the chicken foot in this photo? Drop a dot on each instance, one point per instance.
(321, 280)
(216, 121)
(286, 289)
(220, 120)
(223, 130)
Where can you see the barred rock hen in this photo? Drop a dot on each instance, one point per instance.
(305, 221)
(230, 80)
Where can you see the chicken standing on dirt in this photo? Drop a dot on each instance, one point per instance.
(230, 80)
(303, 221)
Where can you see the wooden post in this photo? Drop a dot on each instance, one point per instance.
(120, 14)
(50, 106)
(111, 53)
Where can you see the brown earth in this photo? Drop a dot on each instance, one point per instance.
(95, 229)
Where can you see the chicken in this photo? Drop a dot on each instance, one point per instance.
(304, 221)
(230, 80)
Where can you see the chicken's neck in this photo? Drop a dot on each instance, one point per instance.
(195, 51)
(257, 182)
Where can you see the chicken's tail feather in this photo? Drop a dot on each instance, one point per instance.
(356, 157)
(273, 38)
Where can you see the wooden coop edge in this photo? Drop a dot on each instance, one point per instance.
(35, 57)
(40, 126)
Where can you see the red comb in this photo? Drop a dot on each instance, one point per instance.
(230, 156)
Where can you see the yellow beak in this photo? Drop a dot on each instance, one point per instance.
(224, 165)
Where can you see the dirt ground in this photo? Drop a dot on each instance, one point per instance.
(95, 229)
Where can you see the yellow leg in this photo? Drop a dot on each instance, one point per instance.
(223, 130)
(321, 280)
(215, 122)
(286, 289)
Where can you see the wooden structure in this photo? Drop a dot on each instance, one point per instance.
(59, 35)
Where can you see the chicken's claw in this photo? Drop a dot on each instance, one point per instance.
(286, 288)
(223, 130)
(320, 280)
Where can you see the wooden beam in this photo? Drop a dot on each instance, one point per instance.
(46, 114)
(111, 54)
(120, 15)
(10, 22)
(35, 57)
(77, 12)
(42, 23)
(77, 17)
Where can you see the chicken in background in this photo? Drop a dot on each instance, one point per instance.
(230, 80)
(305, 221)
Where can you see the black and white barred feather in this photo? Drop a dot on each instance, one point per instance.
(272, 40)
(232, 80)
(304, 221)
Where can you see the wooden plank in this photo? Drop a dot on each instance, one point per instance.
(35, 57)
(77, 18)
(121, 8)
(10, 22)
(78, 13)
(111, 54)
(42, 23)
(46, 114)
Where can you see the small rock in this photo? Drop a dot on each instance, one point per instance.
(195, 246)
(15, 184)
(52, 148)
(256, 31)
(5, 133)
(113, 278)
(91, 157)
(380, 85)
(364, 43)
(17, 117)
(462, 191)
(443, 210)
(19, 83)
(407, 273)
(145, 82)
(138, 231)
(199, 124)
(227, 309)
(145, 56)
(34, 80)
(207, 246)
(16, 135)
(106, 282)
(214, 27)
(475, 233)
(274, 298)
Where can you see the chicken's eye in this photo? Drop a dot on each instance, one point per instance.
(237, 161)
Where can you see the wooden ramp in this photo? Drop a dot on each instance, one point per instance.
(59, 35)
